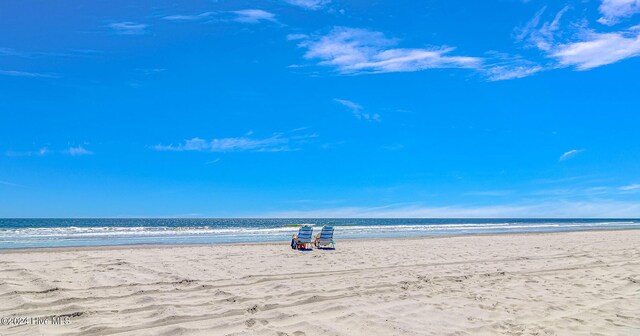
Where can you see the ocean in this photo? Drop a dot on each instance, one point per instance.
(26, 233)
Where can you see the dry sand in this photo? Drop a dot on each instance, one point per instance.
(527, 284)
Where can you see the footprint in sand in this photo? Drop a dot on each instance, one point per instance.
(253, 309)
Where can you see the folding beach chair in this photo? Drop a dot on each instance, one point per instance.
(302, 240)
(325, 237)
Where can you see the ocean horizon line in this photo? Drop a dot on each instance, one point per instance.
(266, 217)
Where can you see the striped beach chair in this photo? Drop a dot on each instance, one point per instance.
(302, 240)
(325, 237)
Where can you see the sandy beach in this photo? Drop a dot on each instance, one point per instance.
(521, 284)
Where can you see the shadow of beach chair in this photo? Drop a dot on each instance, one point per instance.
(302, 241)
(324, 239)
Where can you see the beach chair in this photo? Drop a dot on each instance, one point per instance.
(325, 237)
(303, 239)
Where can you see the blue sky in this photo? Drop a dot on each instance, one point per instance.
(320, 108)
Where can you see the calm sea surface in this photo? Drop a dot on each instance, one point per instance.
(20, 233)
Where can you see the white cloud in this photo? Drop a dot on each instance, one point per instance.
(614, 10)
(354, 51)
(15, 73)
(349, 104)
(128, 28)
(599, 49)
(194, 17)
(294, 37)
(511, 71)
(73, 151)
(501, 66)
(578, 46)
(309, 4)
(9, 184)
(494, 193)
(29, 54)
(40, 152)
(151, 71)
(78, 151)
(630, 187)
(13, 52)
(244, 16)
(275, 143)
(358, 110)
(550, 209)
(212, 161)
(524, 32)
(569, 154)
(541, 37)
(253, 16)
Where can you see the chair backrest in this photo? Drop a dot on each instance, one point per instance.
(304, 234)
(326, 233)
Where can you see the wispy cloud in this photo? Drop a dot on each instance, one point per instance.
(276, 143)
(151, 71)
(356, 51)
(187, 17)
(524, 32)
(349, 104)
(16, 73)
(489, 193)
(630, 187)
(580, 191)
(253, 16)
(510, 68)
(393, 148)
(360, 51)
(534, 34)
(13, 52)
(73, 151)
(541, 36)
(29, 54)
(128, 28)
(216, 160)
(294, 37)
(78, 151)
(358, 110)
(599, 49)
(40, 152)
(9, 184)
(551, 209)
(614, 10)
(570, 154)
(499, 73)
(576, 45)
(309, 4)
